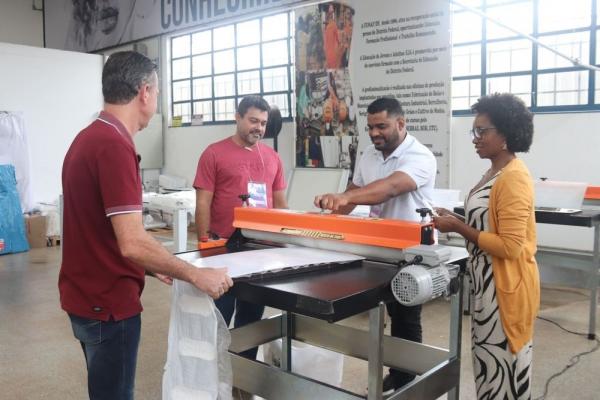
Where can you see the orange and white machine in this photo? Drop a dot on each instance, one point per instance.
(424, 275)
(369, 237)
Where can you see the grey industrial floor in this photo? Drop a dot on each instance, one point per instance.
(40, 359)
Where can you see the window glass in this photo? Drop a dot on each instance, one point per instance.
(181, 68)
(465, 92)
(248, 57)
(275, 79)
(181, 91)
(201, 42)
(466, 60)
(574, 45)
(224, 61)
(466, 27)
(509, 56)
(519, 85)
(248, 82)
(183, 110)
(180, 46)
(223, 38)
(557, 15)
(274, 27)
(202, 65)
(224, 85)
(224, 110)
(203, 88)
(275, 53)
(203, 108)
(564, 88)
(518, 16)
(248, 32)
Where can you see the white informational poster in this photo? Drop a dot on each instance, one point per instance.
(352, 52)
(403, 49)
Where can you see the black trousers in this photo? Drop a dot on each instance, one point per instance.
(406, 324)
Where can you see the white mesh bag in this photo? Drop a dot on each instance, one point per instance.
(198, 365)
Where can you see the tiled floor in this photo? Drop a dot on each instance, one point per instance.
(40, 359)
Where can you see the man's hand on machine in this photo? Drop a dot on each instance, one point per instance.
(212, 281)
(331, 201)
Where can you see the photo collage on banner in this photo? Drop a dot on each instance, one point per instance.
(326, 134)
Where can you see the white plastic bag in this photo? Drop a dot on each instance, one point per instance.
(198, 365)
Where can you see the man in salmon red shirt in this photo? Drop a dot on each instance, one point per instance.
(234, 166)
(106, 251)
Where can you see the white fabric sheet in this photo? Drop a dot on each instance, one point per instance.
(246, 263)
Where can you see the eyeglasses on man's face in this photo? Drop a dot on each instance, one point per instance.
(477, 133)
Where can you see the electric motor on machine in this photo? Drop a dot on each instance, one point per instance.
(418, 284)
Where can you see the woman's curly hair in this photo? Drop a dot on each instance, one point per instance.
(510, 116)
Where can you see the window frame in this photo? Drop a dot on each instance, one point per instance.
(289, 65)
(593, 30)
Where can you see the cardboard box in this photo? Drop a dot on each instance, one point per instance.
(35, 226)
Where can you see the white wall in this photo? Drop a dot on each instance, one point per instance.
(20, 24)
(565, 147)
(59, 93)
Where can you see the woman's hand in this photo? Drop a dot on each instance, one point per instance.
(441, 211)
(446, 223)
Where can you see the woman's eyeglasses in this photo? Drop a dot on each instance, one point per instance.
(477, 133)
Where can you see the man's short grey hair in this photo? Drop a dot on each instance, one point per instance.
(124, 74)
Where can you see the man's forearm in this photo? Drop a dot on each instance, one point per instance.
(345, 210)
(150, 254)
(204, 224)
(374, 193)
(202, 220)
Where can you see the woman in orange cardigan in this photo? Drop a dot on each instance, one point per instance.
(501, 240)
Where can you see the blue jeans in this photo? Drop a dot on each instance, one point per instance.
(245, 313)
(110, 350)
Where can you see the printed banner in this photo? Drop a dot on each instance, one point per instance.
(403, 49)
(90, 25)
(349, 54)
(326, 134)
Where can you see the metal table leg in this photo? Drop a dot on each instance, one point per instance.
(286, 344)
(456, 307)
(180, 230)
(376, 319)
(594, 283)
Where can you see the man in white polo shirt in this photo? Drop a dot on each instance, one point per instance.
(395, 176)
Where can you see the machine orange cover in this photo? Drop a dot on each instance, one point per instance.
(593, 193)
(211, 244)
(368, 231)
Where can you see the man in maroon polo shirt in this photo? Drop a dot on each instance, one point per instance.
(106, 251)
